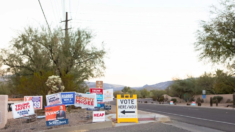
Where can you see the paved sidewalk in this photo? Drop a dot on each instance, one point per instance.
(143, 118)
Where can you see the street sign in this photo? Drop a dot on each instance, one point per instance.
(203, 91)
(203, 96)
(99, 84)
(127, 108)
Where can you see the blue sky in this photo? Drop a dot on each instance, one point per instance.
(148, 41)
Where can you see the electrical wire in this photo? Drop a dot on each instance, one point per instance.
(44, 16)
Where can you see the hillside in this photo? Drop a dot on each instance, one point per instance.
(115, 87)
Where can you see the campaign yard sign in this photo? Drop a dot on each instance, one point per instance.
(93, 109)
(37, 101)
(68, 98)
(108, 95)
(193, 103)
(99, 94)
(22, 109)
(53, 99)
(56, 115)
(98, 116)
(171, 103)
(85, 100)
(126, 108)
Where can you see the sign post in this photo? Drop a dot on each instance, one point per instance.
(204, 94)
(126, 108)
(99, 84)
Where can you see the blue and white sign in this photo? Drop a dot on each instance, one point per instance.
(57, 122)
(93, 109)
(203, 96)
(99, 97)
(68, 98)
(107, 107)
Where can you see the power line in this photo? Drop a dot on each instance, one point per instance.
(44, 16)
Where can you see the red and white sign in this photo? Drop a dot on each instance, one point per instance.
(22, 109)
(98, 116)
(96, 90)
(193, 103)
(85, 100)
(37, 101)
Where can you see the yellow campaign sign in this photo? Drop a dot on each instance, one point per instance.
(126, 108)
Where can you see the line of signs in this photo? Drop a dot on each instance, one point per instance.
(55, 111)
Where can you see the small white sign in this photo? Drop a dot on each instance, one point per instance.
(127, 108)
(98, 116)
(22, 109)
(108, 95)
(53, 99)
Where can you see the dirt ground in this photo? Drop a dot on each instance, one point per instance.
(75, 117)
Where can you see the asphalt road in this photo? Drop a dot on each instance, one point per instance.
(220, 119)
(149, 127)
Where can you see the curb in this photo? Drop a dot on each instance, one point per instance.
(100, 125)
(142, 118)
(214, 107)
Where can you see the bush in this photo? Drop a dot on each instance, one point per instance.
(145, 101)
(198, 100)
(218, 97)
(174, 100)
(229, 101)
(161, 99)
(154, 98)
(191, 99)
(202, 101)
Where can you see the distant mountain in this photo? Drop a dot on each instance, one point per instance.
(160, 86)
(115, 87)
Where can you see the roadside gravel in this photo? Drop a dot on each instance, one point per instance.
(149, 127)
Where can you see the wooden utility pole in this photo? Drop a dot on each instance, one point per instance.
(66, 24)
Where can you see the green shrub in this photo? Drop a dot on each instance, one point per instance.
(218, 97)
(198, 100)
(161, 99)
(191, 99)
(174, 100)
(228, 101)
(202, 101)
(154, 98)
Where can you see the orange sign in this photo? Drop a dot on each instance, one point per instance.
(55, 112)
(99, 84)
